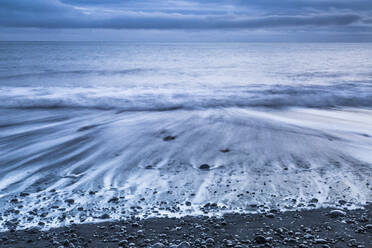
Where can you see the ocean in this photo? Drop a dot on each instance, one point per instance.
(122, 128)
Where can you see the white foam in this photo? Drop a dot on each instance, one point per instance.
(275, 157)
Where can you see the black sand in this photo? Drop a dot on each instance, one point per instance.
(312, 228)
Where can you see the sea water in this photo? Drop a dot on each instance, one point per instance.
(122, 128)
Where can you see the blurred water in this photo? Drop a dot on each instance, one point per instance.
(166, 76)
(279, 125)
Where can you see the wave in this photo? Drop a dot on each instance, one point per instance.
(75, 72)
(161, 99)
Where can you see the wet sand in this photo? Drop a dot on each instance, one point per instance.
(308, 228)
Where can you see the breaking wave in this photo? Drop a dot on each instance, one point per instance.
(73, 73)
(162, 99)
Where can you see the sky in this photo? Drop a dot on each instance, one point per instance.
(187, 20)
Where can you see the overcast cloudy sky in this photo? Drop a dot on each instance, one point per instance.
(187, 20)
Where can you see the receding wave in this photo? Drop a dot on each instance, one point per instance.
(58, 162)
(160, 99)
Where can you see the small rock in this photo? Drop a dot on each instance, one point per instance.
(320, 241)
(259, 239)
(337, 213)
(210, 241)
(105, 216)
(70, 201)
(270, 215)
(169, 138)
(124, 242)
(342, 202)
(158, 245)
(204, 167)
(113, 200)
(184, 245)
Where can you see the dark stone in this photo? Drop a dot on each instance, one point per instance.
(105, 216)
(342, 202)
(169, 138)
(158, 245)
(337, 213)
(259, 239)
(114, 200)
(270, 215)
(204, 167)
(210, 241)
(70, 201)
(320, 241)
(85, 128)
(184, 245)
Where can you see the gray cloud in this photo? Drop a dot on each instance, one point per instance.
(189, 15)
(20, 13)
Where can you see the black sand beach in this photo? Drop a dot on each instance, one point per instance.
(311, 228)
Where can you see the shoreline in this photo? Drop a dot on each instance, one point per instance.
(324, 227)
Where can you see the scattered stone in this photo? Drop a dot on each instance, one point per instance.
(169, 138)
(123, 242)
(85, 128)
(209, 242)
(342, 202)
(113, 200)
(105, 216)
(158, 245)
(337, 213)
(320, 241)
(270, 215)
(204, 167)
(303, 229)
(70, 201)
(259, 239)
(184, 245)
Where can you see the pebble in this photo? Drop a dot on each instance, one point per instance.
(158, 245)
(204, 167)
(184, 245)
(70, 201)
(105, 216)
(169, 138)
(270, 215)
(320, 241)
(337, 213)
(113, 200)
(259, 239)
